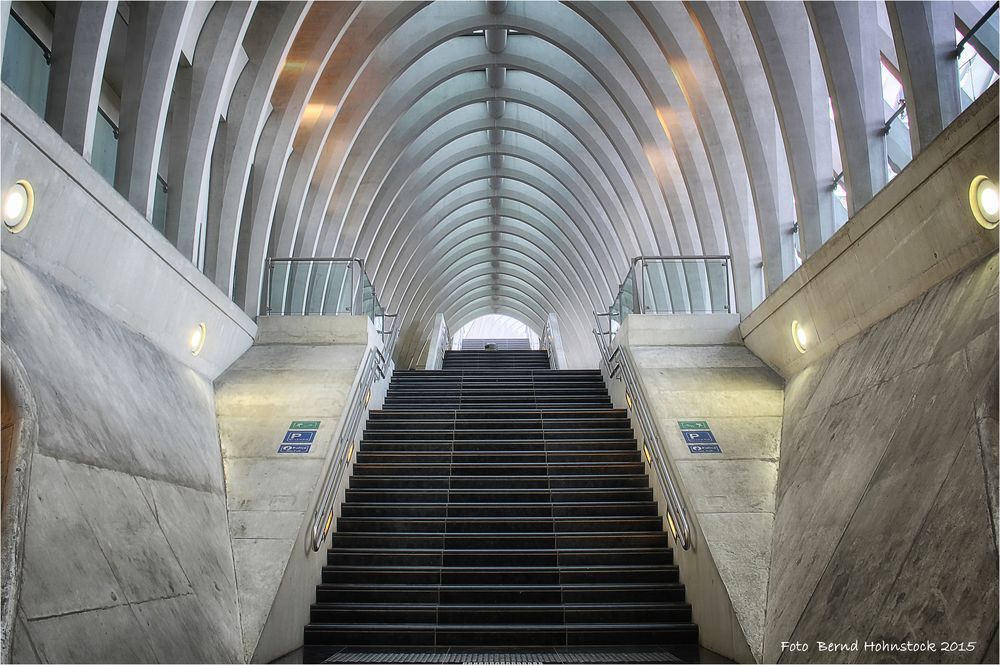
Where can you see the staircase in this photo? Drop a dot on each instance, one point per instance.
(495, 505)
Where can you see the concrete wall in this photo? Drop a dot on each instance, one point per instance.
(126, 545)
(300, 368)
(914, 233)
(885, 526)
(885, 513)
(86, 235)
(126, 549)
(693, 367)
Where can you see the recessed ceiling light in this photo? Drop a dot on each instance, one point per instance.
(197, 342)
(984, 199)
(799, 337)
(18, 204)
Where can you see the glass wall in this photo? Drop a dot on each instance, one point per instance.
(159, 219)
(104, 155)
(975, 74)
(26, 65)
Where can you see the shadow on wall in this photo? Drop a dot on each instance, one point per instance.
(886, 511)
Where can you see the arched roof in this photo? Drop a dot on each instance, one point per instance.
(504, 157)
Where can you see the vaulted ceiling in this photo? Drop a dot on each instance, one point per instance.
(506, 157)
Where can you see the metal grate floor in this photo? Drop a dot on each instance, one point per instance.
(500, 658)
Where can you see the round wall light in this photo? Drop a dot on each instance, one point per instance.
(18, 204)
(799, 337)
(984, 199)
(197, 342)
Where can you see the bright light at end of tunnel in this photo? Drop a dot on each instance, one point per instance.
(984, 199)
(799, 337)
(18, 204)
(197, 341)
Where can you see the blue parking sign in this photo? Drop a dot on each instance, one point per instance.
(299, 436)
(704, 436)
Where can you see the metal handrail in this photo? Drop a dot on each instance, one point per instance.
(383, 333)
(375, 365)
(545, 342)
(677, 517)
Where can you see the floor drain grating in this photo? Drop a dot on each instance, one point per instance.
(582, 658)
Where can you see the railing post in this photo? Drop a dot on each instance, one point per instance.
(729, 295)
(639, 284)
(357, 275)
(270, 278)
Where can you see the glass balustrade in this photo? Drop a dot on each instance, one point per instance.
(304, 287)
(673, 285)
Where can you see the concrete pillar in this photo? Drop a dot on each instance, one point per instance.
(847, 35)
(784, 40)
(924, 33)
(738, 66)
(266, 43)
(199, 92)
(153, 46)
(80, 39)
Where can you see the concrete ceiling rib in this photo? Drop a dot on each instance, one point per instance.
(550, 142)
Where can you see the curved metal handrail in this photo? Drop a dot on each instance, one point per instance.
(620, 358)
(374, 368)
(546, 343)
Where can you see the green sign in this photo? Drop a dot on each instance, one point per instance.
(693, 424)
(304, 424)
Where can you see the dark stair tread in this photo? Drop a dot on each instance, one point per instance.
(628, 586)
(509, 627)
(508, 443)
(504, 606)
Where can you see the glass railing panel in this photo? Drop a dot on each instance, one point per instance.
(697, 286)
(658, 291)
(329, 287)
(337, 294)
(627, 297)
(367, 297)
(674, 285)
(278, 277)
(295, 287)
(319, 279)
(717, 271)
